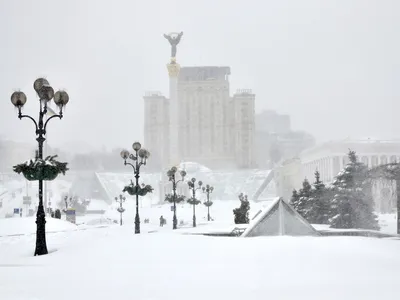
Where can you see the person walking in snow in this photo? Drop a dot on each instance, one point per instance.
(161, 221)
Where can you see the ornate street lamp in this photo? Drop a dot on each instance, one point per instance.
(193, 201)
(139, 158)
(41, 171)
(208, 190)
(67, 202)
(172, 177)
(120, 209)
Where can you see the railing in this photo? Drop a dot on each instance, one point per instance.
(244, 92)
(153, 94)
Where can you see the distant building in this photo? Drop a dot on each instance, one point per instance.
(272, 122)
(156, 135)
(276, 141)
(207, 124)
(331, 157)
(243, 102)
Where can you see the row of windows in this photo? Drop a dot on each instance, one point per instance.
(329, 167)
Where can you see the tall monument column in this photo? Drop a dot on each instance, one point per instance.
(174, 153)
(171, 156)
(173, 73)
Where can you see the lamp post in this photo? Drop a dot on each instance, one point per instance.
(121, 199)
(139, 158)
(45, 93)
(193, 200)
(172, 177)
(208, 190)
(67, 203)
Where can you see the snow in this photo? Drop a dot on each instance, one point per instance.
(192, 167)
(102, 260)
(97, 205)
(220, 211)
(27, 225)
(114, 263)
(388, 223)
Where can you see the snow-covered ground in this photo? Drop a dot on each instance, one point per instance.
(221, 211)
(98, 259)
(113, 263)
(19, 226)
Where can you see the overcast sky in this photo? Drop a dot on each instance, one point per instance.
(333, 66)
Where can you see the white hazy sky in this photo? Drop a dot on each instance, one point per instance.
(334, 66)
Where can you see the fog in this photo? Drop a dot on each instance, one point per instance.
(333, 66)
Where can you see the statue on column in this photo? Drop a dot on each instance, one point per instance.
(173, 38)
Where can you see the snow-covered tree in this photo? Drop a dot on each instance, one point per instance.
(242, 213)
(318, 203)
(352, 204)
(304, 195)
(294, 200)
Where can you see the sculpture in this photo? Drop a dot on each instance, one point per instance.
(174, 39)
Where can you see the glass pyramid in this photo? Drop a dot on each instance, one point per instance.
(279, 219)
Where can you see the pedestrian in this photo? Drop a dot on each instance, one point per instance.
(161, 221)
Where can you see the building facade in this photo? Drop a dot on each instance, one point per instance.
(275, 141)
(331, 157)
(156, 135)
(272, 122)
(243, 107)
(205, 124)
(204, 115)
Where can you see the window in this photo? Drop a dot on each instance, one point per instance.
(336, 165)
(374, 161)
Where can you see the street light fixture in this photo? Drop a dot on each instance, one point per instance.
(172, 177)
(45, 93)
(208, 190)
(121, 199)
(140, 158)
(67, 202)
(193, 200)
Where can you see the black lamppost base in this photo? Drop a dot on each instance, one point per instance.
(194, 221)
(174, 222)
(41, 246)
(137, 224)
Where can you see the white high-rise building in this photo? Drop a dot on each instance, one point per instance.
(156, 135)
(242, 110)
(204, 123)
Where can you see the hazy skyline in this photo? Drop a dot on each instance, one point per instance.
(331, 65)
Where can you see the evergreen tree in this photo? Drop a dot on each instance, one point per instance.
(242, 213)
(352, 205)
(304, 195)
(294, 200)
(318, 203)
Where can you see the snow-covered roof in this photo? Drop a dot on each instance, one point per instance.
(193, 167)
